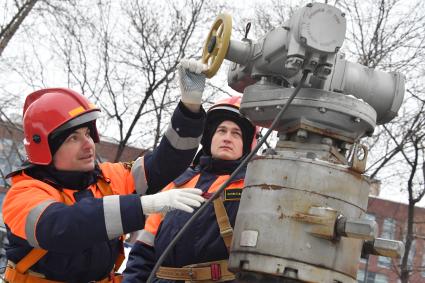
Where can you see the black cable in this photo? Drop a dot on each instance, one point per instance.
(224, 185)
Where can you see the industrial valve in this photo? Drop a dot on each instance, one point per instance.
(302, 211)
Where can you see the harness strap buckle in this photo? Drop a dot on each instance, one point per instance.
(226, 232)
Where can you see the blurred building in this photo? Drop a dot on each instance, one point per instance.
(391, 218)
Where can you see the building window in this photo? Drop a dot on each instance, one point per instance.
(381, 278)
(411, 257)
(388, 229)
(384, 261)
(371, 277)
(370, 216)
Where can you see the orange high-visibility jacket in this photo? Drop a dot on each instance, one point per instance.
(81, 229)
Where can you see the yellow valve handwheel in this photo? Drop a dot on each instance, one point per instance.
(217, 43)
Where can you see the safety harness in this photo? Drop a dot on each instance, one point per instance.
(21, 273)
(214, 271)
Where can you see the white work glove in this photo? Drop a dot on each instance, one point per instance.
(183, 199)
(191, 80)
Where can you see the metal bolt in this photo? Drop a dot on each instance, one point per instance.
(327, 71)
(357, 120)
(361, 154)
(322, 109)
(323, 71)
(357, 228)
(290, 272)
(327, 141)
(294, 62)
(388, 248)
(36, 138)
(302, 134)
(257, 108)
(303, 39)
(342, 14)
(345, 146)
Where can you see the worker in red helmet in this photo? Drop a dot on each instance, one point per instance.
(201, 254)
(65, 214)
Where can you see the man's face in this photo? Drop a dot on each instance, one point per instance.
(227, 143)
(77, 153)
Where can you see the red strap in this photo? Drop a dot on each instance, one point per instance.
(215, 271)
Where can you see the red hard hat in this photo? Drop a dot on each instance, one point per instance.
(51, 111)
(228, 109)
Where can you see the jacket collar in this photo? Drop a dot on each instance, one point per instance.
(212, 166)
(61, 179)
